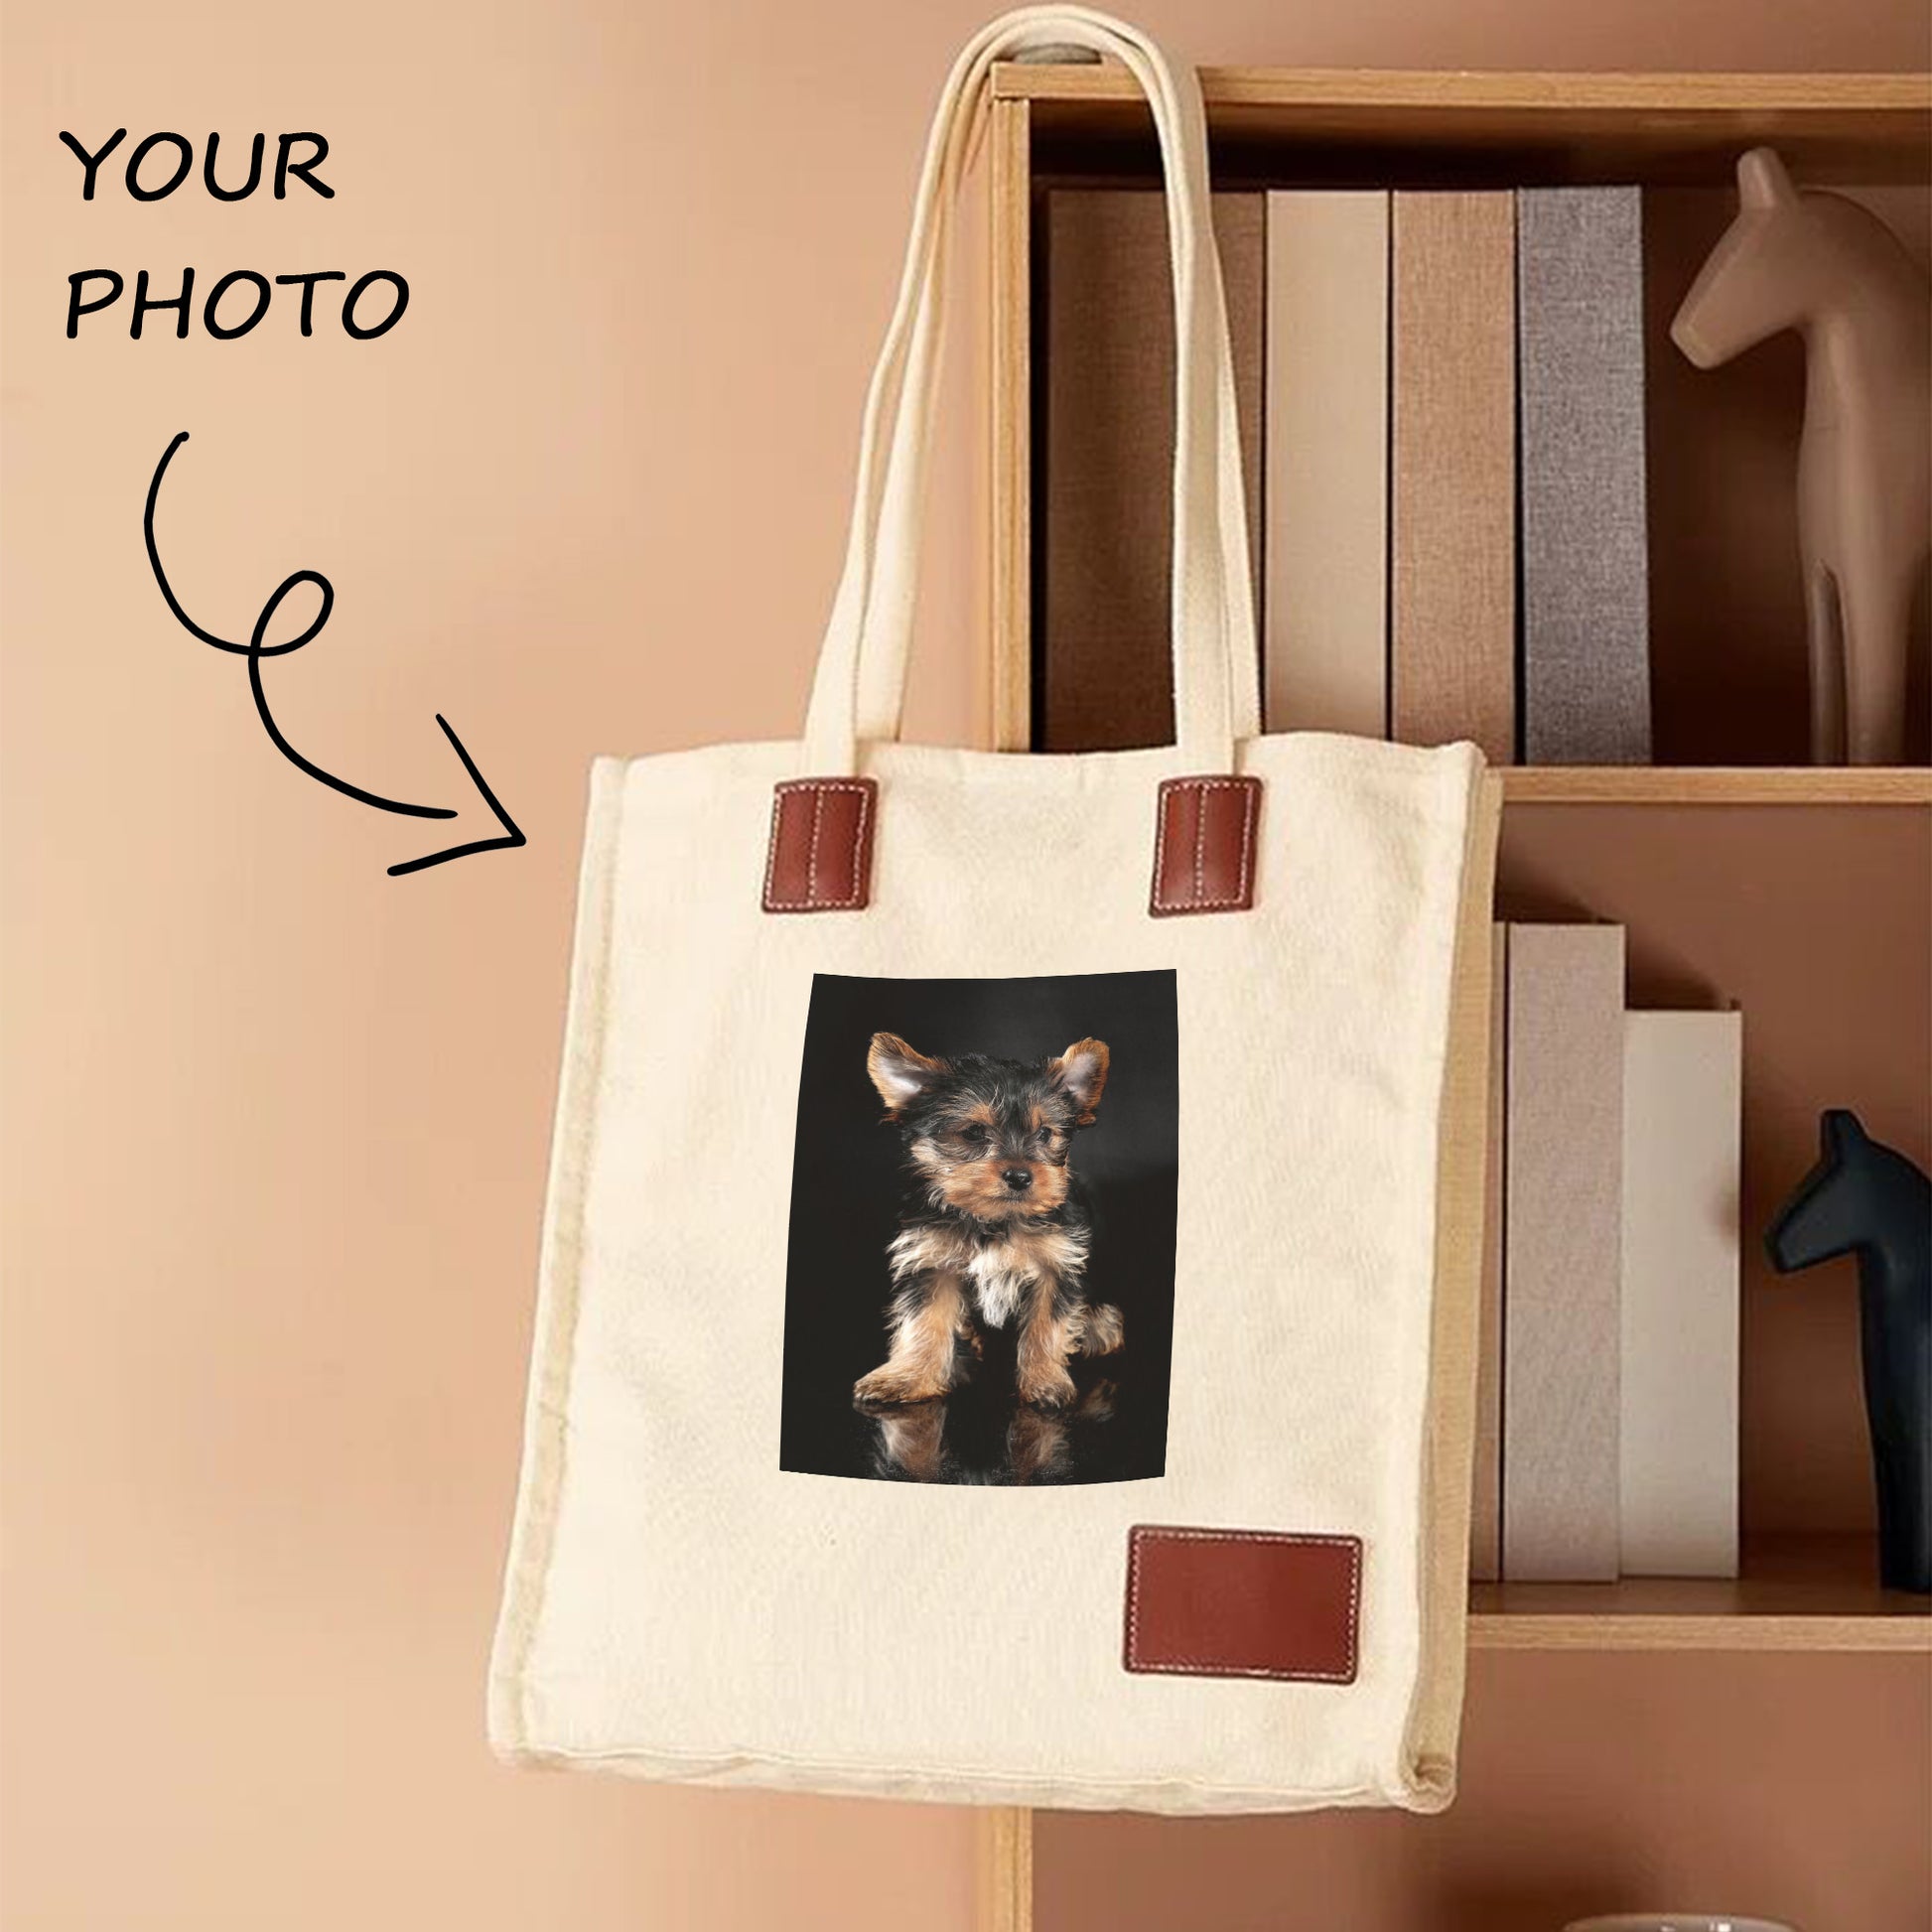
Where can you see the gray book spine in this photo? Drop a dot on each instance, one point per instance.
(1585, 575)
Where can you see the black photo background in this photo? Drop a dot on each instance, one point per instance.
(848, 1180)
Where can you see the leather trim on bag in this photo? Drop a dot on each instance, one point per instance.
(1205, 845)
(1243, 1603)
(820, 856)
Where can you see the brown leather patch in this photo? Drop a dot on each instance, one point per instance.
(820, 857)
(1205, 845)
(1243, 1603)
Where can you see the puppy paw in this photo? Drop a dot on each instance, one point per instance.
(1048, 1388)
(887, 1387)
(1101, 1328)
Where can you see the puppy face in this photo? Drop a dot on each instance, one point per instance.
(989, 1137)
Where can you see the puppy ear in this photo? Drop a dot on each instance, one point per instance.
(898, 1073)
(1082, 1072)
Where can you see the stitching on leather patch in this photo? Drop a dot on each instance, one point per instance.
(852, 894)
(1144, 1534)
(1161, 903)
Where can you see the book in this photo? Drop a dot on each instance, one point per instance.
(1581, 424)
(1486, 1488)
(1679, 1344)
(1564, 1141)
(1325, 639)
(1105, 669)
(1452, 484)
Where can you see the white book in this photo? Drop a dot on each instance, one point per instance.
(1678, 1439)
(1327, 653)
(1486, 1487)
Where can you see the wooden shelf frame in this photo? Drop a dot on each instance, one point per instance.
(1672, 127)
(1009, 493)
(1796, 1593)
(1049, 124)
(1061, 125)
(1857, 104)
(1623, 784)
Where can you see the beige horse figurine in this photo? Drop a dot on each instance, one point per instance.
(1829, 268)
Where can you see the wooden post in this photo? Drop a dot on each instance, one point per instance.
(1006, 1869)
(1010, 486)
(1005, 1833)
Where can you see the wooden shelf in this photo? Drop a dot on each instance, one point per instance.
(1055, 125)
(1671, 126)
(1623, 784)
(1816, 922)
(1800, 1592)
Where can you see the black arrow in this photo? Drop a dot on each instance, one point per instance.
(255, 650)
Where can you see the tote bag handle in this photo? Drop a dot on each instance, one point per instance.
(858, 689)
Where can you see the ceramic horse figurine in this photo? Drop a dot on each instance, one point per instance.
(1865, 1198)
(1832, 270)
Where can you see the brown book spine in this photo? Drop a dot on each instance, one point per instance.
(1105, 424)
(1453, 485)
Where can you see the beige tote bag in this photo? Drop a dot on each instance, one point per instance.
(1008, 1305)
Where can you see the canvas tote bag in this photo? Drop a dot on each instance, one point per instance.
(1146, 1087)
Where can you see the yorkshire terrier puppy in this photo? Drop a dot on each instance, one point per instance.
(993, 1230)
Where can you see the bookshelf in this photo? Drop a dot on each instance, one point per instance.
(1081, 126)
(1638, 844)
(1722, 865)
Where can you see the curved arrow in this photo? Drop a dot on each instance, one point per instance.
(255, 650)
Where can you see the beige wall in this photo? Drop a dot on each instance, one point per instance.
(275, 1123)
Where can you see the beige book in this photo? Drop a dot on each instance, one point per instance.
(1103, 676)
(1453, 668)
(1327, 635)
(1486, 1495)
(1562, 1496)
(1678, 1435)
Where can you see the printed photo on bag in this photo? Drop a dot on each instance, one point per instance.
(979, 1279)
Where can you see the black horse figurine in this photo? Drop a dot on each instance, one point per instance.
(1865, 1198)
